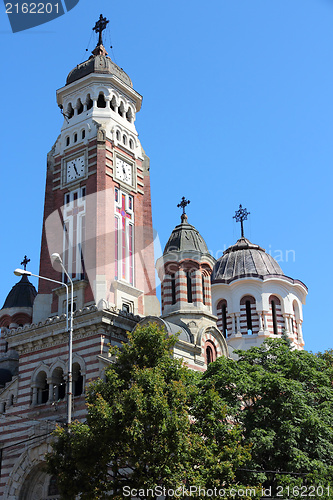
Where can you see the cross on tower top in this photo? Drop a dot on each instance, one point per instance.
(25, 262)
(182, 205)
(99, 27)
(240, 216)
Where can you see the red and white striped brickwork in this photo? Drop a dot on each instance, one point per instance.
(44, 349)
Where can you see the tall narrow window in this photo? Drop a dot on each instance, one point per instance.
(101, 103)
(224, 320)
(248, 317)
(203, 289)
(275, 327)
(124, 237)
(173, 288)
(189, 287)
(209, 355)
(74, 233)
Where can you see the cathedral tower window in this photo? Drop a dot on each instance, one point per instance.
(89, 102)
(70, 111)
(124, 139)
(59, 384)
(273, 306)
(83, 134)
(75, 137)
(189, 287)
(67, 141)
(222, 316)
(42, 388)
(77, 380)
(173, 288)
(79, 107)
(74, 233)
(248, 323)
(113, 103)
(131, 144)
(121, 109)
(124, 237)
(129, 115)
(118, 135)
(101, 102)
(210, 352)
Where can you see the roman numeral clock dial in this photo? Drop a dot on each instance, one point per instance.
(123, 171)
(75, 168)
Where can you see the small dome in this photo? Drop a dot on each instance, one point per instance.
(244, 259)
(21, 295)
(185, 237)
(98, 64)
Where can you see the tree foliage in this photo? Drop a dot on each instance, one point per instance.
(148, 425)
(283, 401)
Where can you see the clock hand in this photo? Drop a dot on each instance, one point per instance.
(77, 173)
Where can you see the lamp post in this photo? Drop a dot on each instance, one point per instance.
(69, 328)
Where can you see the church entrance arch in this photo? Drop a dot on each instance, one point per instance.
(39, 485)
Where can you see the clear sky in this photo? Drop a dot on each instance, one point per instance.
(237, 108)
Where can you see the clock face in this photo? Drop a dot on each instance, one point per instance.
(75, 169)
(123, 171)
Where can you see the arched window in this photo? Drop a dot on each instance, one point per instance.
(70, 111)
(203, 289)
(67, 141)
(173, 288)
(129, 115)
(124, 139)
(121, 109)
(77, 380)
(113, 103)
(222, 316)
(210, 352)
(118, 135)
(83, 134)
(189, 287)
(75, 137)
(131, 144)
(59, 384)
(248, 323)
(42, 388)
(276, 325)
(89, 102)
(101, 102)
(273, 306)
(52, 490)
(79, 106)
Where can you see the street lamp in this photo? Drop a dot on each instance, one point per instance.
(69, 327)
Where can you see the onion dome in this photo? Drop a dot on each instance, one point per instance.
(185, 237)
(244, 259)
(21, 295)
(101, 64)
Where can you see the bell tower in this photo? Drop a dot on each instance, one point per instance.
(97, 212)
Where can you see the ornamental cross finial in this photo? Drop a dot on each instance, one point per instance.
(99, 27)
(25, 262)
(182, 205)
(240, 216)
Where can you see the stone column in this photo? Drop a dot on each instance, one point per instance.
(50, 400)
(264, 313)
(260, 321)
(237, 321)
(34, 395)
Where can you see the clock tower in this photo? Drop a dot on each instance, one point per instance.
(97, 212)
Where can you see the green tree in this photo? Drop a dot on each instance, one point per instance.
(146, 427)
(283, 400)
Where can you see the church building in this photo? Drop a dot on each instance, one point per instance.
(97, 276)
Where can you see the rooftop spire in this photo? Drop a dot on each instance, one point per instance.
(99, 27)
(240, 216)
(182, 205)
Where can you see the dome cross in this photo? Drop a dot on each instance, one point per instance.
(99, 27)
(183, 204)
(241, 215)
(25, 262)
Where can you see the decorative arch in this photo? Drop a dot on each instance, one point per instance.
(211, 336)
(28, 479)
(5, 321)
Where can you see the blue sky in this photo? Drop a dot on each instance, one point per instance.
(237, 108)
